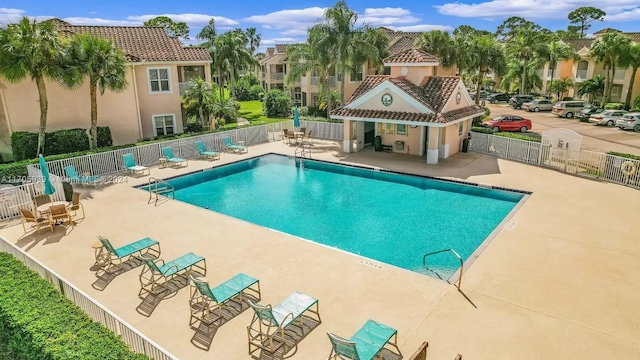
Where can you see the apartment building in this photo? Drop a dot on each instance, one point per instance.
(275, 64)
(586, 68)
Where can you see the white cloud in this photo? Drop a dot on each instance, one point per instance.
(538, 9)
(295, 21)
(295, 32)
(100, 22)
(283, 40)
(190, 19)
(9, 15)
(421, 28)
(387, 16)
(626, 15)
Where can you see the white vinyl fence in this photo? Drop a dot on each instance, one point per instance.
(138, 342)
(607, 167)
(13, 198)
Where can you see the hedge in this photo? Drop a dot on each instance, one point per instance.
(624, 155)
(518, 136)
(38, 322)
(24, 144)
(614, 106)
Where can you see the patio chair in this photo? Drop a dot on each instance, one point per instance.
(42, 199)
(168, 154)
(60, 213)
(208, 155)
(132, 167)
(291, 136)
(267, 328)
(285, 132)
(206, 302)
(366, 344)
(36, 222)
(229, 145)
(76, 204)
(156, 274)
(309, 135)
(85, 180)
(117, 256)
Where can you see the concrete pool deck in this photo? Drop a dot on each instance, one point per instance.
(559, 280)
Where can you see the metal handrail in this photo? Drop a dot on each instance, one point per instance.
(156, 181)
(424, 262)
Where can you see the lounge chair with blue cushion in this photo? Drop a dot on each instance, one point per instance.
(366, 344)
(156, 274)
(168, 154)
(75, 178)
(206, 302)
(230, 146)
(109, 257)
(132, 167)
(202, 150)
(267, 328)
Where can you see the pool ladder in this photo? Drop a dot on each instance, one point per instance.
(424, 262)
(158, 187)
(301, 152)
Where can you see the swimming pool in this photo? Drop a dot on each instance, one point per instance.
(388, 217)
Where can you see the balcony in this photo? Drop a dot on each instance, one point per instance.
(277, 76)
(581, 75)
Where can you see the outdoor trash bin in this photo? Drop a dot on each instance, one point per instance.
(465, 145)
(399, 145)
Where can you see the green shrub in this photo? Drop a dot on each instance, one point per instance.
(316, 111)
(483, 130)
(24, 145)
(104, 137)
(66, 141)
(1, 159)
(614, 106)
(257, 92)
(518, 136)
(624, 155)
(277, 104)
(487, 111)
(193, 128)
(247, 88)
(38, 322)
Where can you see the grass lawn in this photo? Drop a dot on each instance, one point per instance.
(252, 111)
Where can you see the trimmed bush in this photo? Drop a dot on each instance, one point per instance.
(257, 92)
(24, 144)
(104, 137)
(624, 155)
(66, 141)
(614, 106)
(38, 322)
(277, 104)
(193, 128)
(518, 136)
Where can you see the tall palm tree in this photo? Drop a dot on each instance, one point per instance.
(485, 55)
(557, 51)
(439, 43)
(231, 49)
(198, 97)
(99, 61)
(254, 39)
(528, 44)
(31, 48)
(513, 75)
(610, 50)
(631, 59)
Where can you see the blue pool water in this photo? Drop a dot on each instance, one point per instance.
(387, 217)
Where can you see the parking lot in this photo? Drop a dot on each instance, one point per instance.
(595, 138)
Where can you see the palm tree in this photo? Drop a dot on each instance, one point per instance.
(485, 55)
(231, 50)
(31, 48)
(610, 50)
(104, 65)
(592, 88)
(222, 107)
(439, 43)
(557, 51)
(528, 44)
(560, 86)
(254, 39)
(198, 98)
(631, 59)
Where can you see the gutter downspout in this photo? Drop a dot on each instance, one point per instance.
(6, 111)
(135, 91)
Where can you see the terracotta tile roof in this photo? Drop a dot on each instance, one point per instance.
(578, 44)
(411, 89)
(270, 51)
(149, 43)
(456, 114)
(369, 83)
(634, 36)
(438, 89)
(281, 48)
(384, 114)
(400, 40)
(411, 56)
(608, 29)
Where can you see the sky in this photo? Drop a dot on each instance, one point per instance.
(287, 21)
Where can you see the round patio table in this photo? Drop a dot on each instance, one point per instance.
(44, 208)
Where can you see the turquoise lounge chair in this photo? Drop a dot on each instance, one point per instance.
(229, 145)
(202, 150)
(168, 154)
(267, 328)
(109, 257)
(366, 344)
(206, 303)
(75, 178)
(134, 169)
(157, 274)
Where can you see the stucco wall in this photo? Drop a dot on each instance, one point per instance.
(411, 140)
(5, 135)
(398, 104)
(454, 139)
(415, 74)
(157, 104)
(465, 99)
(71, 109)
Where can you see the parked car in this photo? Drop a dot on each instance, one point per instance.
(591, 111)
(483, 94)
(629, 121)
(494, 98)
(508, 123)
(569, 109)
(607, 117)
(537, 105)
(517, 100)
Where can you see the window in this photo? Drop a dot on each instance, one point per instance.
(356, 75)
(401, 129)
(460, 126)
(386, 129)
(164, 124)
(338, 76)
(159, 81)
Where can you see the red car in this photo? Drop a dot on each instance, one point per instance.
(508, 123)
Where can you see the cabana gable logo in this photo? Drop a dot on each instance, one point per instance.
(386, 99)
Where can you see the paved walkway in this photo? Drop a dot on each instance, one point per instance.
(559, 281)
